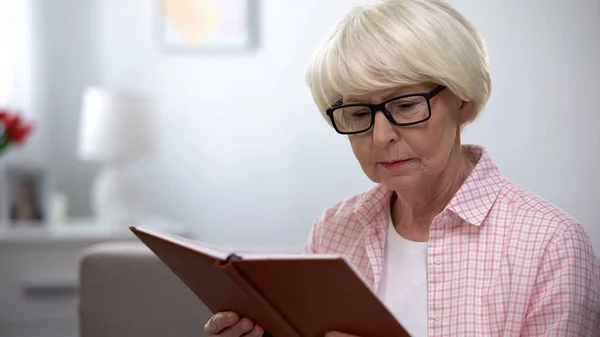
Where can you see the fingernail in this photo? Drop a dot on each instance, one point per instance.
(258, 331)
(246, 325)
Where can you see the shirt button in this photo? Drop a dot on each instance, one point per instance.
(437, 260)
(437, 316)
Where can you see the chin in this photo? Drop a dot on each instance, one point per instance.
(402, 182)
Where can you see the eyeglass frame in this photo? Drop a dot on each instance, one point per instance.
(381, 107)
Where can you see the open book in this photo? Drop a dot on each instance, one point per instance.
(288, 295)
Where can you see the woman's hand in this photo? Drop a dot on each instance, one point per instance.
(338, 334)
(229, 324)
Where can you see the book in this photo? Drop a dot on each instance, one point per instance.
(289, 295)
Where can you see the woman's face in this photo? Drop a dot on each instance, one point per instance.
(409, 157)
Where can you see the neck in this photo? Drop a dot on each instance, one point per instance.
(413, 212)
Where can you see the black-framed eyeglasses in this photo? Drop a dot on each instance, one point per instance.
(403, 110)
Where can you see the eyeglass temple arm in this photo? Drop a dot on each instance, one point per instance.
(436, 90)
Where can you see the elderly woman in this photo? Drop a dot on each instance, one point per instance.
(450, 246)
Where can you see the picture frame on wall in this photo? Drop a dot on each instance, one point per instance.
(208, 26)
(25, 191)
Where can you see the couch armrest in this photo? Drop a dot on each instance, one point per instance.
(126, 291)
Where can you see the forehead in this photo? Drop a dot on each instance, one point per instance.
(384, 94)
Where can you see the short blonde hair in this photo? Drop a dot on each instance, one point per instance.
(400, 42)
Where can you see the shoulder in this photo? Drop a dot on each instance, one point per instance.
(531, 212)
(537, 227)
(545, 238)
(343, 210)
(509, 205)
(341, 222)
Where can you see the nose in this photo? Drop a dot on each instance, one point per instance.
(384, 132)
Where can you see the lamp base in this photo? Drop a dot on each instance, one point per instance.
(116, 195)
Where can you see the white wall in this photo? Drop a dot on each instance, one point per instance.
(22, 75)
(244, 154)
(69, 45)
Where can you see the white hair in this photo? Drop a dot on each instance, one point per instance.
(400, 42)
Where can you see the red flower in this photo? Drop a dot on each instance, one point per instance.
(15, 129)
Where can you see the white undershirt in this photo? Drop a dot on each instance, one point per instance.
(403, 286)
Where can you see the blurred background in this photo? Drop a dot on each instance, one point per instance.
(236, 152)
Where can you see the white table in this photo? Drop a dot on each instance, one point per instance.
(39, 271)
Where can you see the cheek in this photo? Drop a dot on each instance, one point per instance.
(362, 147)
(434, 141)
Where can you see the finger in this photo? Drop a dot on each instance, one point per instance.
(240, 328)
(256, 332)
(220, 322)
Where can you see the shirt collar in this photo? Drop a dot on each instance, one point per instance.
(474, 199)
(472, 202)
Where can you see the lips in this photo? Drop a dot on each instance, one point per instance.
(390, 165)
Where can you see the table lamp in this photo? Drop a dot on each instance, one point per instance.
(115, 130)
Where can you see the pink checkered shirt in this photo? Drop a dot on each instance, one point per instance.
(501, 260)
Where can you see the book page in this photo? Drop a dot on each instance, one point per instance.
(285, 256)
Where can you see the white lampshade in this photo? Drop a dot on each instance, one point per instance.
(114, 126)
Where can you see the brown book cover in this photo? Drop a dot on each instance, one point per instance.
(288, 295)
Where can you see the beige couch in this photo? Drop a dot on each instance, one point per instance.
(126, 291)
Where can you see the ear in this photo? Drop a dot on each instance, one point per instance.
(465, 112)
